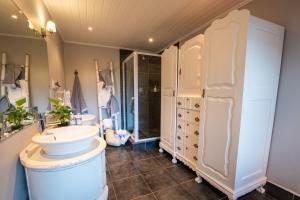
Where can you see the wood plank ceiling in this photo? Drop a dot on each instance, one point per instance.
(129, 23)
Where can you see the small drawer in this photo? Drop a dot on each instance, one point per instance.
(188, 102)
(193, 116)
(180, 126)
(195, 104)
(180, 102)
(181, 114)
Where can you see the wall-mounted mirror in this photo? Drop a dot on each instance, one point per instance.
(24, 62)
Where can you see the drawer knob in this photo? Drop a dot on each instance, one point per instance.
(197, 119)
(179, 126)
(178, 137)
(187, 99)
(179, 115)
(197, 105)
(196, 132)
(187, 124)
(196, 145)
(179, 103)
(186, 148)
(178, 148)
(187, 136)
(195, 158)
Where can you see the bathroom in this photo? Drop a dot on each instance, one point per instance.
(158, 129)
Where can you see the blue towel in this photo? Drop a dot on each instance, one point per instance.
(77, 100)
(105, 77)
(112, 106)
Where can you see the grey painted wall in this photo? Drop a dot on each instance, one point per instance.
(284, 161)
(82, 57)
(16, 48)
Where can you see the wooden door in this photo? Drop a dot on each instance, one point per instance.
(168, 95)
(189, 71)
(223, 69)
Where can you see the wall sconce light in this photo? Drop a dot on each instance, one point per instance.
(44, 31)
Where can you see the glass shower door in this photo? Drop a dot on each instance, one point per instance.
(149, 78)
(128, 69)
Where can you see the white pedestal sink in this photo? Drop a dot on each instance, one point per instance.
(66, 140)
(88, 119)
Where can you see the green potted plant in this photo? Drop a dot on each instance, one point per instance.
(15, 116)
(60, 112)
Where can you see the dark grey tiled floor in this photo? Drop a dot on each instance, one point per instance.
(148, 175)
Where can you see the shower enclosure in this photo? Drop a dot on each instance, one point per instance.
(141, 95)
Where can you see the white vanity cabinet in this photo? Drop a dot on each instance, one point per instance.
(168, 99)
(241, 66)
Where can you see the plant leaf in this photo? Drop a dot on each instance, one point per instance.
(54, 101)
(20, 102)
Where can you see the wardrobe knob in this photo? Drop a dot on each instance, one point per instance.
(179, 115)
(196, 132)
(196, 145)
(179, 103)
(187, 124)
(178, 148)
(187, 136)
(178, 137)
(197, 105)
(179, 126)
(195, 158)
(186, 148)
(197, 119)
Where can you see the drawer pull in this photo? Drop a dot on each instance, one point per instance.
(179, 115)
(178, 137)
(179, 103)
(179, 148)
(197, 119)
(179, 126)
(195, 158)
(196, 132)
(197, 105)
(196, 145)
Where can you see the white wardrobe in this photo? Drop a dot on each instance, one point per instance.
(241, 69)
(168, 100)
(226, 99)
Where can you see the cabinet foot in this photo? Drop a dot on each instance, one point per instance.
(161, 150)
(174, 160)
(261, 190)
(198, 179)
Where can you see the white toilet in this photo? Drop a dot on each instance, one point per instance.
(80, 176)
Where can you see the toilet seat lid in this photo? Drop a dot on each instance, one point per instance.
(34, 157)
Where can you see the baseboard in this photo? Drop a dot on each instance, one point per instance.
(280, 192)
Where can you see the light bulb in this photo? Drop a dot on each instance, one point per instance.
(50, 27)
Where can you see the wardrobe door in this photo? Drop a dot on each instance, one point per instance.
(168, 99)
(190, 62)
(223, 69)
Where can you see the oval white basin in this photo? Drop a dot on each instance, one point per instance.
(88, 119)
(66, 140)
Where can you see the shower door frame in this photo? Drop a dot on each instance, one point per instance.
(136, 129)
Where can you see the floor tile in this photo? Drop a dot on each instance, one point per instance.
(123, 171)
(130, 188)
(173, 193)
(139, 155)
(278, 192)
(159, 179)
(118, 157)
(181, 173)
(202, 191)
(146, 197)
(165, 161)
(146, 165)
(257, 196)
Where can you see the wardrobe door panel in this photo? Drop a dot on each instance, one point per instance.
(223, 69)
(168, 92)
(190, 63)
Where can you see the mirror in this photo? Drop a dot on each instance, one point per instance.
(24, 63)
